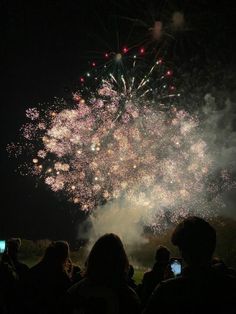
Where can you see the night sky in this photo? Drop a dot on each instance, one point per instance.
(47, 45)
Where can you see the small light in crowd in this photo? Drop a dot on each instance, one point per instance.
(142, 50)
(169, 73)
(125, 49)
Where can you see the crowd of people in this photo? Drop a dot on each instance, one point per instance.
(106, 284)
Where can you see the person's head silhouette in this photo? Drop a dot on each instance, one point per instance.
(61, 251)
(107, 262)
(196, 240)
(56, 254)
(13, 247)
(162, 255)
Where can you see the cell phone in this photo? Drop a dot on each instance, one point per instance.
(2, 246)
(176, 266)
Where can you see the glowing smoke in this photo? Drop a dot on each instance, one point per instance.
(220, 135)
(126, 217)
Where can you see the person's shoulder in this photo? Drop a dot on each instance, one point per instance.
(213, 279)
(147, 274)
(129, 291)
(225, 279)
(231, 272)
(129, 300)
(63, 279)
(35, 268)
(23, 266)
(171, 284)
(83, 283)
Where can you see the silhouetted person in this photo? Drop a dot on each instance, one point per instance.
(131, 282)
(158, 273)
(48, 281)
(104, 289)
(12, 271)
(200, 289)
(10, 256)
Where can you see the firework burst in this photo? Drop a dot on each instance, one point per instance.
(121, 141)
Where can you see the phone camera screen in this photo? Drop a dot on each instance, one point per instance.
(176, 267)
(2, 246)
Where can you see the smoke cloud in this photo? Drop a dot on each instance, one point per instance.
(127, 217)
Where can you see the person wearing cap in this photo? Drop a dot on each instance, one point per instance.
(201, 288)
